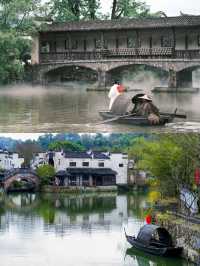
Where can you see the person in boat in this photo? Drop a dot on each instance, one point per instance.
(114, 92)
(145, 107)
(136, 101)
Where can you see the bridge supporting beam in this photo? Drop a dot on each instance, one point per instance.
(181, 79)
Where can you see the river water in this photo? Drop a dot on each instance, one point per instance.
(84, 230)
(71, 108)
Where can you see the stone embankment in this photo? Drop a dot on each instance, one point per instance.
(57, 189)
(184, 233)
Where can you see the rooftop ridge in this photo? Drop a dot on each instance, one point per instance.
(124, 23)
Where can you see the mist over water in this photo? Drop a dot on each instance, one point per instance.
(70, 107)
(145, 81)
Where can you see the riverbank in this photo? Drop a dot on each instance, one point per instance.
(184, 234)
(80, 190)
(75, 189)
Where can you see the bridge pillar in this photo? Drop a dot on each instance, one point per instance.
(173, 79)
(101, 78)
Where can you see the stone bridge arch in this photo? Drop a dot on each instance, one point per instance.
(104, 66)
(15, 176)
(44, 69)
(165, 66)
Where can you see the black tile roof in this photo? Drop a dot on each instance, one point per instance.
(139, 23)
(91, 171)
(86, 155)
(61, 173)
(100, 155)
(76, 154)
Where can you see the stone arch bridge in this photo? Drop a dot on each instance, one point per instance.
(178, 69)
(22, 175)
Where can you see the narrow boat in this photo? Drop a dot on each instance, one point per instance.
(136, 120)
(155, 240)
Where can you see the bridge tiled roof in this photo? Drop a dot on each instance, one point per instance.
(160, 22)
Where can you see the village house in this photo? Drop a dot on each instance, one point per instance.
(91, 168)
(9, 160)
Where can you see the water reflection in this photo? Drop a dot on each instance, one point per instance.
(70, 230)
(140, 259)
(24, 108)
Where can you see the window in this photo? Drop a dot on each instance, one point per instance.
(105, 44)
(66, 44)
(53, 46)
(72, 164)
(101, 164)
(186, 42)
(165, 41)
(117, 43)
(97, 43)
(132, 41)
(198, 40)
(121, 165)
(85, 45)
(45, 47)
(150, 42)
(85, 164)
(74, 44)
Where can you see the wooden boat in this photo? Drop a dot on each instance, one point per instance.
(155, 240)
(134, 119)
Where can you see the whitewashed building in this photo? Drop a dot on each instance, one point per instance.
(91, 168)
(9, 160)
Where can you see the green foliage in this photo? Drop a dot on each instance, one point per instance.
(18, 14)
(70, 10)
(10, 57)
(17, 184)
(172, 159)
(90, 9)
(27, 149)
(65, 145)
(130, 9)
(45, 173)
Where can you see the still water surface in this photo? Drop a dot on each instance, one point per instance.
(85, 230)
(71, 108)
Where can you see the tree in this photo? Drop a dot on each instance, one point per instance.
(172, 159)
(65, 145)
(45, 173)
(13, 50)
(90, 9)
(129, 8)
(27, 149)
(65, 10)
(18, 14)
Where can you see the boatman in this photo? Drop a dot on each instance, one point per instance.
(147, 108)
(115, 91)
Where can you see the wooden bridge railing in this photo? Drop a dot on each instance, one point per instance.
(138, 53)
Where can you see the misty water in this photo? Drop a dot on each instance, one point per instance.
(71, 108)
(84, 230)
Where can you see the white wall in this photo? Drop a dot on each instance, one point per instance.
(61, 163)
(118, 159)
(9, 161)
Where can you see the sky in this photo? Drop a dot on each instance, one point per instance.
(21, 136)
(170, 7)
